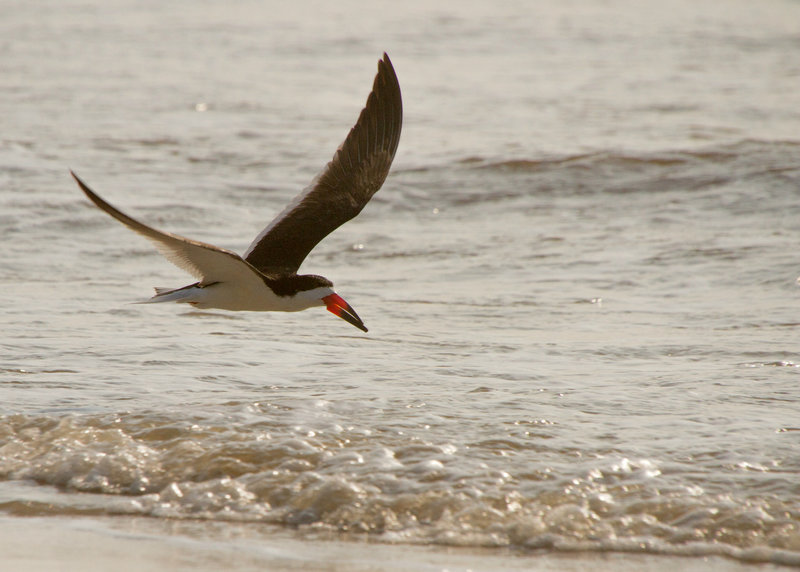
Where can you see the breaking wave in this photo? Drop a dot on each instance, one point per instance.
(395, 487)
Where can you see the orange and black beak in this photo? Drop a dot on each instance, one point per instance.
(337, 305)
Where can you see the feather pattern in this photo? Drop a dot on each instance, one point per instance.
(346, 184)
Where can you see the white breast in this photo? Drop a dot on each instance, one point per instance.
(250, 296)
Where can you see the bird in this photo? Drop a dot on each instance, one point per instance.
(265, 278)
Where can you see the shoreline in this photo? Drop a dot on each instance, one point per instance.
(125, 544)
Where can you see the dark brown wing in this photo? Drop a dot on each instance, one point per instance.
(343, 188)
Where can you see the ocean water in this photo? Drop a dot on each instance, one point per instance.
(580, 277)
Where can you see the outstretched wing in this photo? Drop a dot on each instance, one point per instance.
(344, 186)
(206, 262)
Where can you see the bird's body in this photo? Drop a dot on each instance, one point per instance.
(266, 278)
(247, 293)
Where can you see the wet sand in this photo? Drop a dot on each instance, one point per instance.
(126, 544)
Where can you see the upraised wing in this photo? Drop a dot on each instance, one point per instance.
(346, 184)
(206, 262)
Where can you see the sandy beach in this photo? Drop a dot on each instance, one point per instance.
(127, 544)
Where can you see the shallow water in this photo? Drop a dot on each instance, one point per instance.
(579, 279)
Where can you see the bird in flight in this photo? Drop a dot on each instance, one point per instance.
(265, 278)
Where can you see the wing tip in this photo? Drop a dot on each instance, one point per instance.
(78, 180)
(86, 190)
(386, 69)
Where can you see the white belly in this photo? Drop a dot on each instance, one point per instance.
(253, 297)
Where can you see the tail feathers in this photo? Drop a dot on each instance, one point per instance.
(184, 294)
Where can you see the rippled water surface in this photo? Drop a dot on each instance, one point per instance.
(579, 278)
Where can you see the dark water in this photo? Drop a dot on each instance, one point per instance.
(580, 277)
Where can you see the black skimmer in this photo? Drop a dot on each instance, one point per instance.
(265, 278)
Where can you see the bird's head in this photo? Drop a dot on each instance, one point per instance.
(311, 290)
